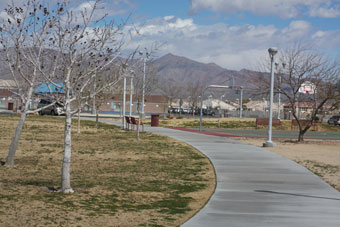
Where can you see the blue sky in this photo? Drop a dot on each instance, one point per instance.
(181, 8)
(234, 34)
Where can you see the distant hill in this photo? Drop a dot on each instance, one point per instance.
(184, 70)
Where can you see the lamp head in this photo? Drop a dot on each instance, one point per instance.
(272, 51)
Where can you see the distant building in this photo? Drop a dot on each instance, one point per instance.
(8, 99)
(218, 104)
(304, 109)
(154, 104)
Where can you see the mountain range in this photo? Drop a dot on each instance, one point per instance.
(185, 70)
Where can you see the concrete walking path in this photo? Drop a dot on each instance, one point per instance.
(257, 188)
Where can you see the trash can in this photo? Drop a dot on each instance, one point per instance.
(10, 106)
(154, 120)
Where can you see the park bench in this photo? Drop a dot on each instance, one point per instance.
(134, 121)
(303, 123)
(128, 123)
(265, 122)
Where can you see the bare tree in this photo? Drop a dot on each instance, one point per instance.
(151, 78)
(99, 97)
(305, 66)
(24, 37)
(171, 89)
(85, 49)
(82, 45)
(194, 90)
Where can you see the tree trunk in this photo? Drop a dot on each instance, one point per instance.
(140, 118)
(65, 176)
(78, 122)
(97, 118)
(15, 141)
(16, 137)
(301, 134)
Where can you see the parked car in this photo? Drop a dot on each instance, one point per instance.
(56, 109)
(185, 111)
(209, 112)
(334, 120)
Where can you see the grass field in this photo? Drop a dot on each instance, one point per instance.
(119, 181)
(232, 123)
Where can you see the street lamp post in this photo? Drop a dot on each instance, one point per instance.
(279, 100)
(145, 57)
(124, 102)
(143, 94)
(201, 112)
(241, 101)
(131, 91)
(124, 96)
(269, 143)
(219, 103)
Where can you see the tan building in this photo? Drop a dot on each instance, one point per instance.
(153, 104)
(304, 109)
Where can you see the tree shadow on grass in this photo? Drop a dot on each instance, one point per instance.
(34, 182)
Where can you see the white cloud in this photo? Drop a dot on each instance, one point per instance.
(296, 30)
(281, 8)
(233, 47)
(327, 40)
(106, 7)
(3, 15)
(318, 35)
(325, 12)
(168, 24)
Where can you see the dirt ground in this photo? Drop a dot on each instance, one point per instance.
(320, 157)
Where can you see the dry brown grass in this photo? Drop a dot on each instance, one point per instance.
(233, 123)
(118, 181)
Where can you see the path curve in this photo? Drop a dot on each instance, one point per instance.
(257, 188)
